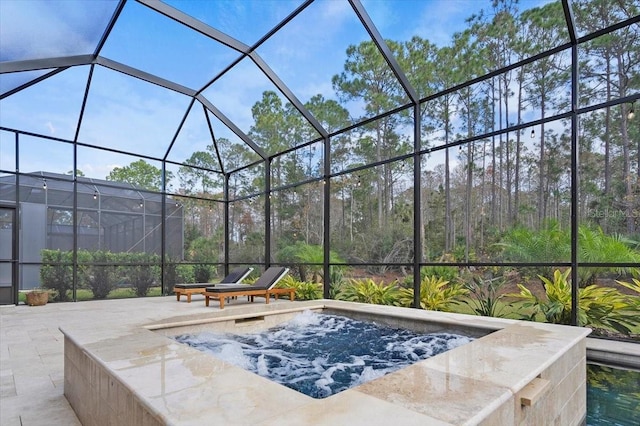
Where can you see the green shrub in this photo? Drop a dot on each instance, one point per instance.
(368, 291)
(101, 274)
(143, 272)
(202, 273)
(436, 294)
(304, 290)
(598, 307)
(56, 273)
(184, 274)
(170, 275)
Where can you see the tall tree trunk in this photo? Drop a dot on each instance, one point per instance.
(467, 207)
(493, 157)
(626, 175)
(541, 172)
(379, 178)
(500, 158)
(607, 141)
(447, 197)
(507, 150)
(516, 194)
(447, 184)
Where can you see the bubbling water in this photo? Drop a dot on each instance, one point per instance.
(320, 354)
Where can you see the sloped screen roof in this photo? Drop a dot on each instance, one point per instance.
(169, 81)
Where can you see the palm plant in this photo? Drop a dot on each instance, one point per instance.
(549, 244)
(597, 247)
(552, 244)
(436, 294)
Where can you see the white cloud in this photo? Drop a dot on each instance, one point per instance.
(41, 29)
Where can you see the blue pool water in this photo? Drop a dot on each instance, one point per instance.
(613, 396)
(321, 355)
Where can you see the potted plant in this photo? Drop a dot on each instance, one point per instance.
(37, 297)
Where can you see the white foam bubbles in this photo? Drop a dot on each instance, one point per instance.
(320, 354)
(233, 353)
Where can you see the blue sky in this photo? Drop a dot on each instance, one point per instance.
(135, 116)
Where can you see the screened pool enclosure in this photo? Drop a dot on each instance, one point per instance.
(486, 150)
(116, 218)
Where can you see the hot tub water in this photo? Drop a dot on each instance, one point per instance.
(320, 354)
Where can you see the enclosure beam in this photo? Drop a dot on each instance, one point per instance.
(575, 177)
(226, 223)
(46, 63)
(74, 255)
(17, 275)
(389, 57)
(267, 213)
(417, 209)
(163, 226)
(326, 232)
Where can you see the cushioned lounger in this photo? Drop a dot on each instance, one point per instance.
(234, 277)
(264, 287)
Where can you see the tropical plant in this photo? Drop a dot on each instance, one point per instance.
(449, 273)
(635, 286)
(485, 295)
(304, 290)
(367, 290)
(436, 294)
(598, 307)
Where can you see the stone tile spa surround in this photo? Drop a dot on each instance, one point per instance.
(513, 373)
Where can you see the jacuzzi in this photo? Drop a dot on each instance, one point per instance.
(514, 372)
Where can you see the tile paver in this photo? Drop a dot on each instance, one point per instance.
(32, 352)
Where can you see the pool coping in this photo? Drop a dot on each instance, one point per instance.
(612, 352)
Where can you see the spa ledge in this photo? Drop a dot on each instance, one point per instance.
(136, 374)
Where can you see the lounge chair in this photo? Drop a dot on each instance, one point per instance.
(264, 287)
(234, 277)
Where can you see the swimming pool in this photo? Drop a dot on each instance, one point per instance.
(320, 354)
(613, 396)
